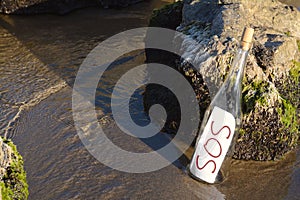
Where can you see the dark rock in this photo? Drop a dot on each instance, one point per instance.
(169, 17)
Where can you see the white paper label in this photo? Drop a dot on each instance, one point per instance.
(213, 145)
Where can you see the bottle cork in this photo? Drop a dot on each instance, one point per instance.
(247, 38)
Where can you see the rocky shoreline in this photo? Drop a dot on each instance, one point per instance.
(271, 85)
(57, 6)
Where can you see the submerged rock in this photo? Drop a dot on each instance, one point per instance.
(13, 183)
(271, 90)
(56, 6)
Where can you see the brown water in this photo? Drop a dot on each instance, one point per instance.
(39, 58)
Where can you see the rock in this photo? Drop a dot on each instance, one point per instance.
(5, 157)
(271, 85)
(169, 17)
(13, 183)
(56, 6)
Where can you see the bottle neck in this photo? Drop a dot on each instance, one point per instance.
(229, 95)
(236, 73)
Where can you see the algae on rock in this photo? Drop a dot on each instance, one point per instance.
(271, 89)
(13, 183)
(271, 84)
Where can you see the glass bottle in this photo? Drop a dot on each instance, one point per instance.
(221, 122)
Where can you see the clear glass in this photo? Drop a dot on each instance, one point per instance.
(228, 99)
(230, 94)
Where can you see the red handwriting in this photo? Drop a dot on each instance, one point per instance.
(220, 152)
(211, 141)
(211, 129)
(200, 168)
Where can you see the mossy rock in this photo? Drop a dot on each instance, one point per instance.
(268, 132)
(13, 184)
(271, 91)
(169, 16)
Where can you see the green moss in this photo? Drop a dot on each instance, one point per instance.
(6, 192)
(252, 94)
(242, 131)
(167, 8)
(288, 33)
(298, 43)
(14, 185)
(169, 16)
(288, 117)
(295, 72)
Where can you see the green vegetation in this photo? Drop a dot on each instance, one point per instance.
(288, 117)
(169, 16)
(289, 114)
(6, 192)
(14, 185)
(288, 33)
(166, 9)
(282, 116)
(254, 93)
(295, 72)
(242, 131)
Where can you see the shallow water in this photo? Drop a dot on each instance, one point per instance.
(39, 58)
